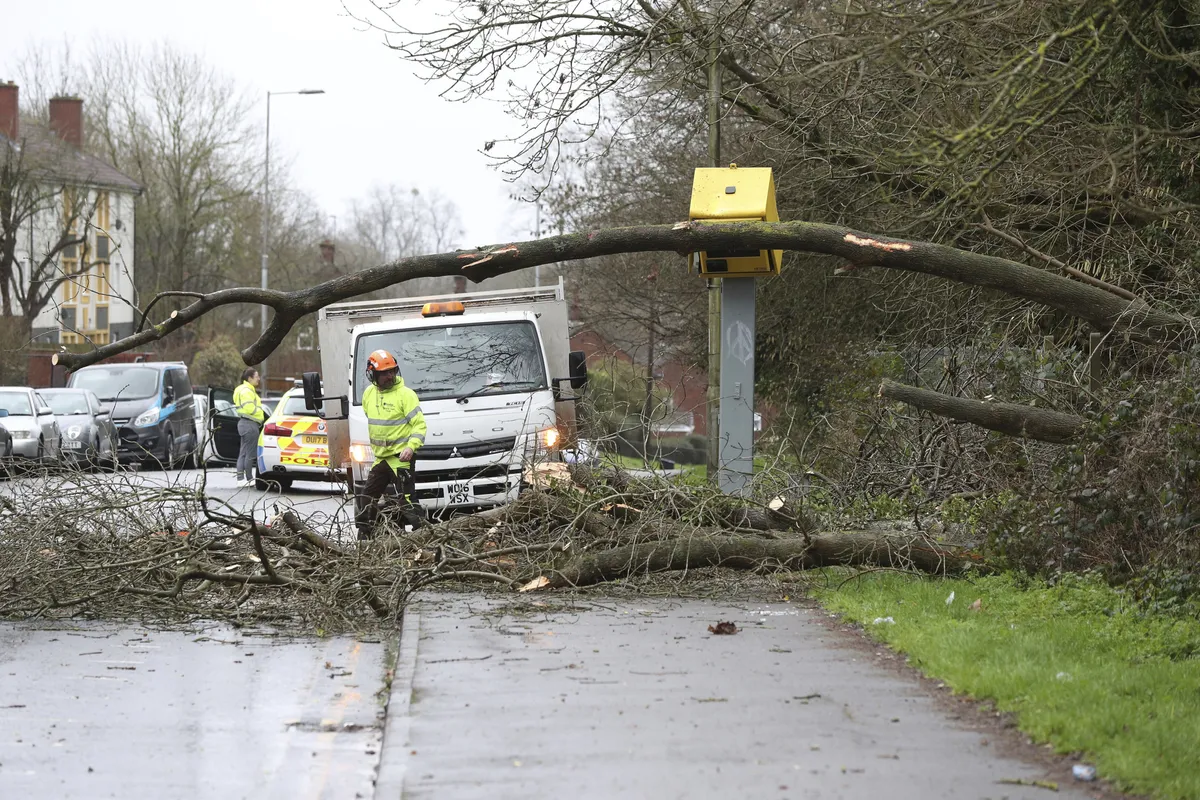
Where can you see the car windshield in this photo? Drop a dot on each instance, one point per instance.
(118, 383)
(16, 404)
(67, 403)
(294, 407)
(459, 360)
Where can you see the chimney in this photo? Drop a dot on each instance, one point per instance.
(10, 115)
(327, 252)
(460, 284)
(66, 119)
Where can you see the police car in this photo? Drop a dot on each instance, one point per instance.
(293, 445)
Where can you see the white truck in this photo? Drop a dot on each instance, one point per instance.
(494, 373)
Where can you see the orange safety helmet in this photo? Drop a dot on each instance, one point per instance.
(380, 361)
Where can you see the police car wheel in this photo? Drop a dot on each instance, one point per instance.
(271, 481)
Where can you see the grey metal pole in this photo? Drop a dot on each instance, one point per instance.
(737, 384)
(537, 234)
(266, 222)
(713, 409)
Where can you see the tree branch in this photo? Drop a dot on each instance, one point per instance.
(1100, 308)
(1012, 419)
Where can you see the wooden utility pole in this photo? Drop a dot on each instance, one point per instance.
(713, 409)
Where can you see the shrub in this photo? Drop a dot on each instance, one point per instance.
(219, 363)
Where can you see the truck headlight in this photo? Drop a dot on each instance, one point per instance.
(147, 418)
(549, 438)
(362, 453)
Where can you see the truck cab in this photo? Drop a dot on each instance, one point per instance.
(494, 376)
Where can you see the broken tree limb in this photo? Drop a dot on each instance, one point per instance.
(1102, 309)
(1026, 422)
(712, 549)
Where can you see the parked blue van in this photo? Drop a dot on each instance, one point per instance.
(151, 406)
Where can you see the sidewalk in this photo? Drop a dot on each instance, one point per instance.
(639, 700)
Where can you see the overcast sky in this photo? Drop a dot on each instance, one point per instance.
(377, 122)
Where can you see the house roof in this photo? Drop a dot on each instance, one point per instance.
(47, 154)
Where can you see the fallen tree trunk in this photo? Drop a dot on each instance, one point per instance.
(1026, 422)
(714, 549)
(1102, 309)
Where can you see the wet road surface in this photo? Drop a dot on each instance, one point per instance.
(99, 711)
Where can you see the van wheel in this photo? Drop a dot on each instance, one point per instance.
(168, 460)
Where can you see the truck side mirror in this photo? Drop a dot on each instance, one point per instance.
(312, 390)
(577, 367)
(314, 400)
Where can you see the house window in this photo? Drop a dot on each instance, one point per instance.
(101, 318)
(66, 315)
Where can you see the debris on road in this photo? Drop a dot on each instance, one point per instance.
(86, 544)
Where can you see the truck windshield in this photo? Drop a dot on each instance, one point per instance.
(457, 360)
(118, 383)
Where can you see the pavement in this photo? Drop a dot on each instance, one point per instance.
(601, 699)
(491, 696)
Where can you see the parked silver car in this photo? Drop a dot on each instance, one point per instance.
(88, 433)
(30, 422)
(6, 442)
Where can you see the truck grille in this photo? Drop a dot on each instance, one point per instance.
(442, 452)
(464, 474)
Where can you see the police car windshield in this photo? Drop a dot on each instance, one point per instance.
(294, 407)
(460, 360)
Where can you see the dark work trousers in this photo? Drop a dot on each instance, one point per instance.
(378, 479)
(248, 451)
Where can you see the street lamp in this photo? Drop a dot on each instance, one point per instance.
(266, 224)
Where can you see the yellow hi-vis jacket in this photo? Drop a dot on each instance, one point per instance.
(247, 404)
(394, 422)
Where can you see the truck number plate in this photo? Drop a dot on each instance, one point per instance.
(459, 493)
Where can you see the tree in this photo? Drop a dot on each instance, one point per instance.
(182, 130)
(45, 213)
(392, 222)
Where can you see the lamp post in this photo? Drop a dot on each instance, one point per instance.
(266, 223)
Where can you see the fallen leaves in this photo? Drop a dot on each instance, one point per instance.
(723, 629)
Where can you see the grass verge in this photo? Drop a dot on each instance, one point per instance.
(1078, 664)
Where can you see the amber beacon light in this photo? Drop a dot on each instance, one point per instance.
(450, 309)
(736, 194)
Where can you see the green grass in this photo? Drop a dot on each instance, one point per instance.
(1079, 666)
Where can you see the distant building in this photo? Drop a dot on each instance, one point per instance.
(84, 197)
